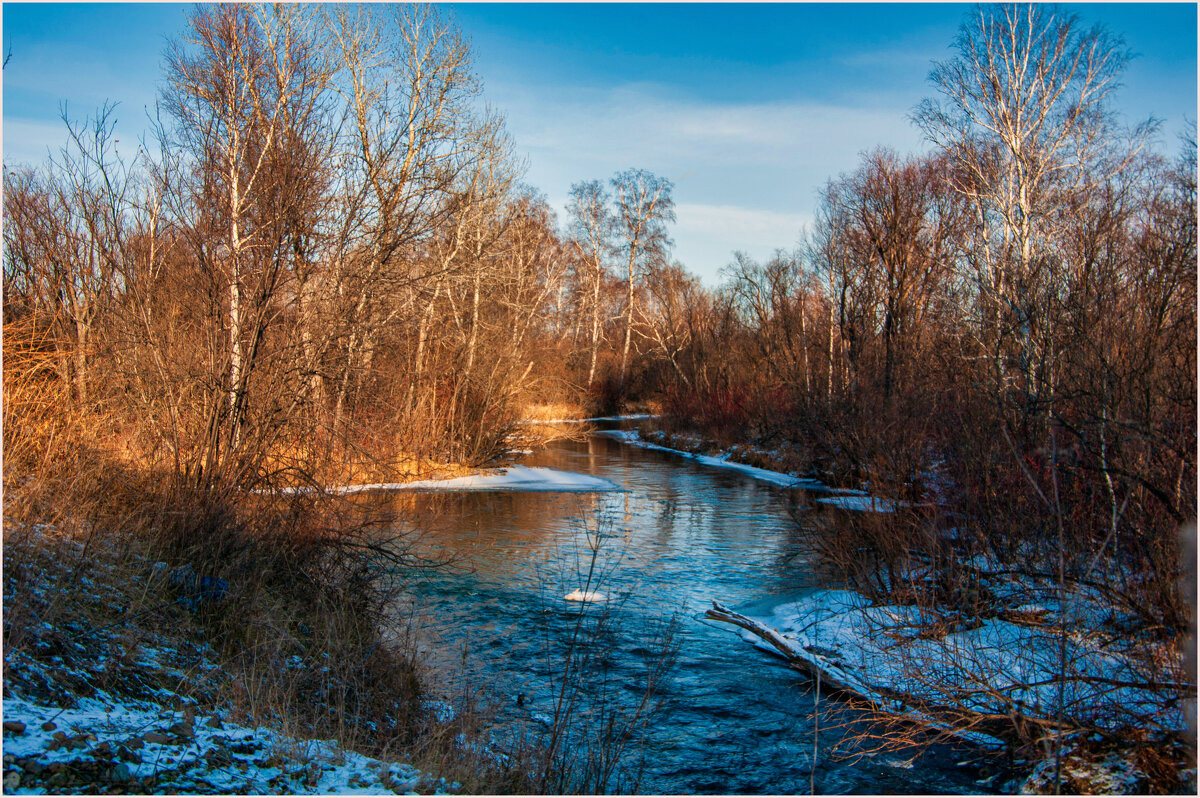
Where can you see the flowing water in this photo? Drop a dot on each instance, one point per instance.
(734, 719)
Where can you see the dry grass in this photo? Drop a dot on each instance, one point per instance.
(541, 424)
(552, 411)
(299, 634)
(342, 464)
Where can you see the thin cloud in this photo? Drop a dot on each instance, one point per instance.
(710, 234)
(637, 126)
(29, 141)
(727, 159)
(734, 222)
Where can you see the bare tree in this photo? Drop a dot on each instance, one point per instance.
(904, 230)
(66, 238)
(592, 229)
(243, 88)
(1025, 118)
(409, 91)
(672, 295)
(644, 208)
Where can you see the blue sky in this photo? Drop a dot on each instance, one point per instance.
(749, 109)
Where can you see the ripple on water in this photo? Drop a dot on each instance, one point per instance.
(735, 719)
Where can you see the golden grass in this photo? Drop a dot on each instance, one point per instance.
(552, 411)
(343, 465)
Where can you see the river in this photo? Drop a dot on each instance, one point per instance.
(733, 719)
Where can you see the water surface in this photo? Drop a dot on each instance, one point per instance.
(734, 718)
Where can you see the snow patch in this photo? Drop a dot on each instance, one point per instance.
(586, 596)
(530, 479)
(863, 504)
(987, 665)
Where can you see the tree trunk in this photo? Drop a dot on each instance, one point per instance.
(235, 299)
(628, 321)
(595, 325)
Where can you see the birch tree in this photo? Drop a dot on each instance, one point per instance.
(591, 228)
(242, 88)
(643, 209)
(1025, 118)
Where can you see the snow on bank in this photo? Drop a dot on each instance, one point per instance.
(136, 706)
(528, 479)
(633, 438)
(863, 504)
(994, 666)
(140, 746)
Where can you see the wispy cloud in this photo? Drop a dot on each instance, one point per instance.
(31, 141)
(710, 234)
(28, 141)
(728, 160)
(626, 124)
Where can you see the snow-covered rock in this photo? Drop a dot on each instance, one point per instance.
(586, 595)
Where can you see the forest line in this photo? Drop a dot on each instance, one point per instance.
(331, 259)
(324, 263)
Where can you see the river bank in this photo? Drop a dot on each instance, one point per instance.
(112, 684)
(686, 535)
(998, 658)
(162, 639)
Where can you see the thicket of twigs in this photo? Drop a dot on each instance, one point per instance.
(320, 268)
(1004, 328)
(1006, 325)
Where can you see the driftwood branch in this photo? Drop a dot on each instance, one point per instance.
(955, 720)
(722, 613)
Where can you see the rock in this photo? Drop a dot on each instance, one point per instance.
(214, 722)
(404, 785)
(120, 772)
(181, 729)
(218, 758)
(157, 738)
(246, 747)
(12, 781)
(49, 726)
(14, 727)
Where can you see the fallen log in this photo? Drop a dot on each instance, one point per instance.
(723, 614)
(957, 721)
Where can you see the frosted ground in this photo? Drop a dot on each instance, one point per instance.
(115, 708)
(1008, 665)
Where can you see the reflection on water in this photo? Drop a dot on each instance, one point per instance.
(735, 720)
